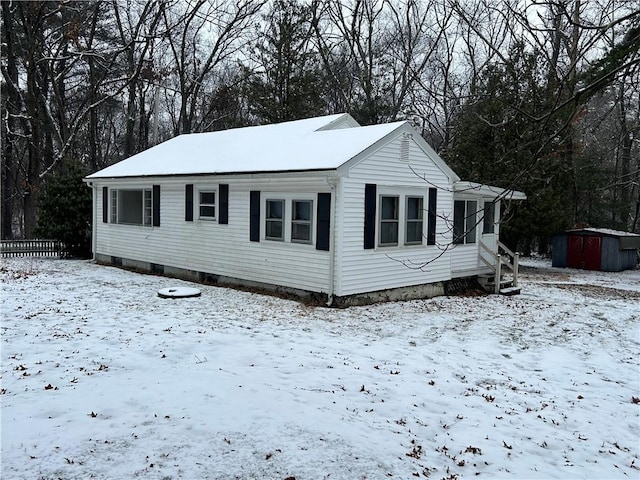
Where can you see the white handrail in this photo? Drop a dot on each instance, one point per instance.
(506, 249)
(511, 261)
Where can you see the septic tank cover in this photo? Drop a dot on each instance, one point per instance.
(178, 292)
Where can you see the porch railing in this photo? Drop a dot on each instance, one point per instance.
(508, 260)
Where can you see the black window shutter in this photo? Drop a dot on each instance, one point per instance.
(369, 216)
(254, 215)
(188, 203)
(431, 216)
(105, 204)
(323, 219)
(224, 204)
(155, 200)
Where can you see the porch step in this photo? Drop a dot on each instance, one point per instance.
(487, 282)
(510, 291)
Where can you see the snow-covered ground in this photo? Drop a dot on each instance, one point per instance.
(101, 378)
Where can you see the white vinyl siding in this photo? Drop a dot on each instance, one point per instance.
(361, 270)
(206, 247)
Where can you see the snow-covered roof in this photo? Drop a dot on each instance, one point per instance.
(605, 231)
(320, 143)
(487, 191)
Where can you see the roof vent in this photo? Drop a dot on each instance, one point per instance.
(404, 147)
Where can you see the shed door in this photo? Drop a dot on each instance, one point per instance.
(584, 252)
(592, 252)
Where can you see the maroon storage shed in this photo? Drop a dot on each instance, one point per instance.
(595, 249)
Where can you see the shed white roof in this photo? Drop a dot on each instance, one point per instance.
(604, 231)
(309, 144)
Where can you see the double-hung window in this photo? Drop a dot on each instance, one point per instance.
(413, 223)
(301, 214)
(400, 218)
(289, 219)
(131, 206)
(274, 220)
(207, 204)
(389, 219)
(464, 221)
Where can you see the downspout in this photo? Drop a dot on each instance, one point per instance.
(332, 241)
(94, 215)
(94, 227)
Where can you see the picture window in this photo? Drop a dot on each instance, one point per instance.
(131, 207)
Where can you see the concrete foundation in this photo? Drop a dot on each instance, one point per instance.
(390, 295)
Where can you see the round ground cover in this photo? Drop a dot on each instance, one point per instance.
(178, 292)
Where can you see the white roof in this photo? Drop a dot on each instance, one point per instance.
(488, 191)
(605, 231)
(290, 146)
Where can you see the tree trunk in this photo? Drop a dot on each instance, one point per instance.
(11, 105)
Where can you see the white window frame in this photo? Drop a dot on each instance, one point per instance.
(403, 194)
(287, 226)
(268, 219)
(419, 220)
(208, 218)
(113, 204)
(295, 222)
(389, 221)
(146, 206)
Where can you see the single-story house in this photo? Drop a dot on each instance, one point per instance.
(595, 249)
(320, 207)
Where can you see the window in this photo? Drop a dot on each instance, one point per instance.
(413, 227)
(488, 222)
(301, 220)
(389, 216)
(114, 206)
(393, 219)
(287, 219)
(275, 220)
(131, 207)
(464, 221)
(207, 205)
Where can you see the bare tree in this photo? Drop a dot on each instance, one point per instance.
(207, 34)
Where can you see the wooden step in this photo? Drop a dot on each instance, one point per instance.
(510, 291)
(491, 286)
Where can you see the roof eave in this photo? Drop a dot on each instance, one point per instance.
(91, 178)
(488, 191)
